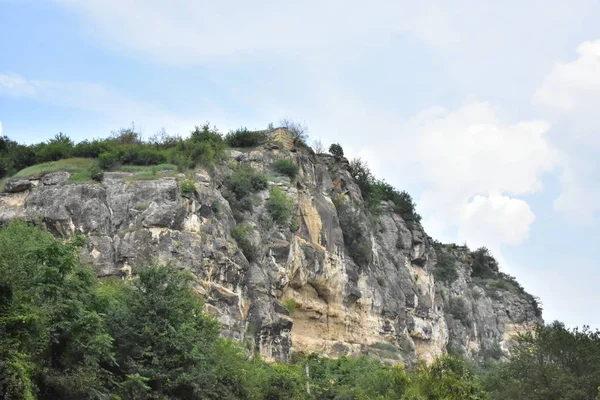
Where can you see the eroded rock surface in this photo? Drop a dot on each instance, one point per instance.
(391, 307)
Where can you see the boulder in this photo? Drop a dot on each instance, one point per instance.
(17, 185)
(55, 178)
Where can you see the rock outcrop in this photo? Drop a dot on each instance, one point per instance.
(303, 291)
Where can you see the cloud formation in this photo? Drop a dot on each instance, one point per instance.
(569, 94)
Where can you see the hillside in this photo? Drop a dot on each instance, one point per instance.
(293, 251)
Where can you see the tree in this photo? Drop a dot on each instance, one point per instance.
(165, 344)
(298, 131)
(53, 341)
(318, 146)
(550, 362)
(336, 151)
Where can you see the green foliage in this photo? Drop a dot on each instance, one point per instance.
(241, 235)
(375, 191)
(187, 186)
(53, 342)
(66, 335)
(457, 307)
(107, 161)
(336, 150)
(445, 269)
(72, 165)
(291, 305)
(483, 264)
(241, 184)
(448, 378)
(244, 138)
(298, 131)
(205, 146)
(96, 173)
(551, 362)
(357, 242)
(164, 343)
(279, 205)
(285, 167)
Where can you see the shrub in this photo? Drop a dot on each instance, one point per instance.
(483, 264)
(241, 184)
(187, 186)
(356, 239)
(140, 155)
(244, 138)
(445, 269)
(90, 149)
(459, 310)
(375, 191)
(285, 167)
(298, 131)
(279, 205)
(107, 161)
(336, 151)
(240, 233)
(318, 146)
(291, 305)
(205, 146)
(96, 173)
(58, 148)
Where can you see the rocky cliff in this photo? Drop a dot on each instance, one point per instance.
(407, 297)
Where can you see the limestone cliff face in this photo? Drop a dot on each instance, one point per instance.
(390, 306)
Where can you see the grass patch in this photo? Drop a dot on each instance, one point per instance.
(187, 186)
(241, 235)
(279, 205)
(291, 305)
(71, 165)
(146, 168)
(285, 167)
(2, 182)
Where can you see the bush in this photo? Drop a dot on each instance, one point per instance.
(336, 151)
(187, 186)
(96, 173)
(298, 131)
(291, 305)
(285, 167)
(107, 161)
(240, 233)
(459, 310)
(241, 184)
(375, 191)
(58, 148)
(445, 269)
(244, 138)
(355, 235)
(279, 205)
(140, 155)
(483, 264)
(90, 149)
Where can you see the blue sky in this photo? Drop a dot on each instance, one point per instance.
(484, 111)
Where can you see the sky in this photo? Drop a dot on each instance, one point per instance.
(485, 111)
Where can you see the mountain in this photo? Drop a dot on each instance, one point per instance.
(291, 253)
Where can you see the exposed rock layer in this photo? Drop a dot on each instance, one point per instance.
(390, 307)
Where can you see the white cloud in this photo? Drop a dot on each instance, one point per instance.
(15, 85)
(495, 220)
(469, 163)
(573, 86)
(570, 94)
(0, 128)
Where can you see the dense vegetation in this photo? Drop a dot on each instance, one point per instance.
(374, 191)
(66, 334)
